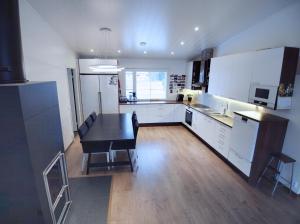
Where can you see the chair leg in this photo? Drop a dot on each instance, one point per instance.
(277, 178)
(88, 164)
(129, 157)
(264, 172)
(292, 177)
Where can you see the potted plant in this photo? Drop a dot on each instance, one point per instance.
(190, 97)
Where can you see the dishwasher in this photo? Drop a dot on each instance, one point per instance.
(243, 142)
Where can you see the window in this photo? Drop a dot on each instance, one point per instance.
(148, 85)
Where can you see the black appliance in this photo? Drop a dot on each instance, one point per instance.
(188, 117)
(179, 97)
(200, 75)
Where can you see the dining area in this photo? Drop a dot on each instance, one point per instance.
(109, 135)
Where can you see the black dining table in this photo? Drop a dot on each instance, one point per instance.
(106, 130)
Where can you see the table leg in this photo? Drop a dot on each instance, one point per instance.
(129, 157)
(88, 164)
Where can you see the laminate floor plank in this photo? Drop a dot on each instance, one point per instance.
(179, 180)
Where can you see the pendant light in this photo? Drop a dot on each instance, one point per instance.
(106, 65)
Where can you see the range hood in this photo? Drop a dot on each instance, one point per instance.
(99, 66)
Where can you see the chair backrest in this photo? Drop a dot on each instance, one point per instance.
(133, 116)
(135, 128)
(83, 129)
(93, 116)
(89, 122)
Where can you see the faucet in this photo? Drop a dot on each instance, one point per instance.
(225, 109)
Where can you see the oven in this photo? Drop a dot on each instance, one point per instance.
(188, 117)
(263, 95)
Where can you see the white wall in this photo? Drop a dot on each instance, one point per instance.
(280, 29)
(171, 66)
(46, 58)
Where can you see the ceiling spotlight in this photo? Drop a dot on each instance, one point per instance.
(172, 53)
(143, 44)
(119, 51)
(182, 43)
(92, 50)
(196, 28)
(145, 52)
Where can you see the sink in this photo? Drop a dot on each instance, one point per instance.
(219, 115)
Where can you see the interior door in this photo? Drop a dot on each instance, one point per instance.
(89, 94)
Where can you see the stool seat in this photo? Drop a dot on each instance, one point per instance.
(277, 160)
(283, 158)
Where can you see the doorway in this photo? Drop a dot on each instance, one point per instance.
(74, 108)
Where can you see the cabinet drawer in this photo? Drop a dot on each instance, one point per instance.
(239, 162)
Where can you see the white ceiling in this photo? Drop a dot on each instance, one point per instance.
(160, 23)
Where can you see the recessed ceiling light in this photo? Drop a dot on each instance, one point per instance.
(145, 52)
(172, 53)
(119, 51)
(196, 28)
(182, 43)
(92, 50)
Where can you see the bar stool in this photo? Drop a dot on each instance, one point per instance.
(281, 160)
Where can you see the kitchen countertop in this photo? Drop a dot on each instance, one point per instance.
(228, 121)
(151, 102)
(198, 107)
(260, 116)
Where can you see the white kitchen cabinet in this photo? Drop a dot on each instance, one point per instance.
(230, 76)
(267, 66)
(222, 139)
(153, 113)
(242, 144)
(179, 112)
(208, 134)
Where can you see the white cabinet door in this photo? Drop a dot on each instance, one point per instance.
(189, 75)
(267, 66)
(179, 112)
(90, 94)
(238, 85)
(163, 113)
(209, 133)
(239, 162)
(244, 135)
(223, 135)
(219, 76)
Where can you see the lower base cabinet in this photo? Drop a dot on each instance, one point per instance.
(242, 164)
(156, 113)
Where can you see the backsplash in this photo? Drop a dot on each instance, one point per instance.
(221, 104)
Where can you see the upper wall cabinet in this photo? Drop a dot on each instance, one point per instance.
(230, 76)
(267, 66)
(264, 77)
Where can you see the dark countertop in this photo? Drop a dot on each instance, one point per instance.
(198, 107)
(228, 121)
(152, 102)
(260, 116)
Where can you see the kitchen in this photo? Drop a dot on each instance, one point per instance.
(211, 115)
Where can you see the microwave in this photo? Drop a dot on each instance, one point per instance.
(263, 95)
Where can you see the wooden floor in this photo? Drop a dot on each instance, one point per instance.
(179, 180)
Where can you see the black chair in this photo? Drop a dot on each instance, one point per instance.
(120, 146)
(89, 122)
(83, 129)
(93, 116)
(133, 116)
